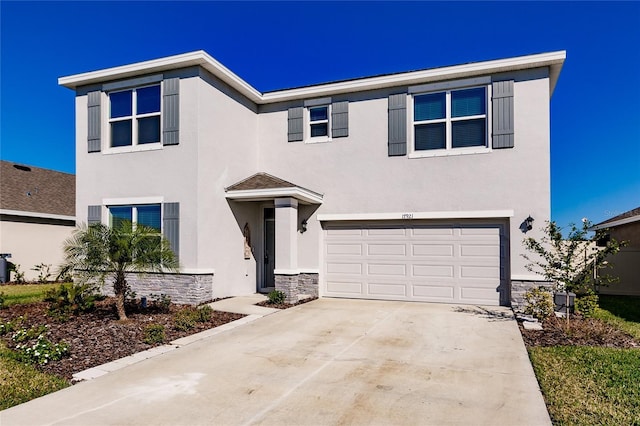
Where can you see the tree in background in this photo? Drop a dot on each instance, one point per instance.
(572, 263)
(97, 252)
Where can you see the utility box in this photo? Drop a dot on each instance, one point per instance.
(560, 301)
(4, 267)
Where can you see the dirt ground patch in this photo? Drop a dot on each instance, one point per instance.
(97, 337)
(578, 332)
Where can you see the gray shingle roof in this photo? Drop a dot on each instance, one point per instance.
(32, 189)
(625, 215)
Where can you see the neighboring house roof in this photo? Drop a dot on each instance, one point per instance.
(621, 219)
(263, 186)
(32, 191)
(553, 60)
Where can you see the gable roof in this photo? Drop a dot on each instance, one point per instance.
(27, 189)
(553, 60)
(621, 219)
(260, 181)
(263, 186)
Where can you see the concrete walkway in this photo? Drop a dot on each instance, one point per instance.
(329, 361)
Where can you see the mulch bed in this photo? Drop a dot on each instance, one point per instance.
(97, 337)
(578, 332)
(268, 304)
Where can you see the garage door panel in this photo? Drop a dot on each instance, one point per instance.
(343, 287)
(473, 272)
(415, 261)
(344, 268)
(478, 295)
(431, 231)
(344, 249)
(387, 249)
(340, 232)
(429, 271)
(476, 250)
(432, 250)
(374, 269)
(388, 289)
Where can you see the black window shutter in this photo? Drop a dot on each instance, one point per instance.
(397, 124)
(502, 111)
(93, 123)
(295, 124)
(94, 215)
(340, 119)
(171, 225)
(171, 111)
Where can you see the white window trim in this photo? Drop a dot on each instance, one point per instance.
(134, 147)
(308, 123)
(449, 150)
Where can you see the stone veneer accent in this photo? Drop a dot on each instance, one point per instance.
(294, 285)
(189, 289)
(519, 288)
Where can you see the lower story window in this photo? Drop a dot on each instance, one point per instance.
(144, 214)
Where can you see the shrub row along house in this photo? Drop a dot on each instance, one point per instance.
(409, 186)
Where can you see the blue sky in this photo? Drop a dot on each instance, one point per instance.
(595, 110)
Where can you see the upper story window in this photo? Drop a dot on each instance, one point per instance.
(134, 116)
(319, 121)
(449, 120)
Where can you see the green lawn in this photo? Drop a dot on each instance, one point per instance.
(21, 382)
(622, 312)
(594, 385)
(589, 385)
(28, 293)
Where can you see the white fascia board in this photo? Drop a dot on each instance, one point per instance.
(199, 57)
(301, 194)
(618, 222)
(553, 60)
(37, 215)
(471, 214)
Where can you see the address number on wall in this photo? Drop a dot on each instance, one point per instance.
(407, 215)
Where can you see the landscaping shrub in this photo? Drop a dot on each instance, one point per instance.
(2, 296)
(154, 333)
(161, 302)
(204, 313)
(186, 319)
(44, 272)
(33, 347)
(586, 305)
(276, 297)
(539, 303)
(10, 326)
(18, 275)
(70, 299)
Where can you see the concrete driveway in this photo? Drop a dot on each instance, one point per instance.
(330, 361)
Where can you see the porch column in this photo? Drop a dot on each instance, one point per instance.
(286, 270)
(286, 235)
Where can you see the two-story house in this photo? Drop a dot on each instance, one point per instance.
(408, 186)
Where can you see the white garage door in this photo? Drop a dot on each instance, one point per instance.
(411, 261)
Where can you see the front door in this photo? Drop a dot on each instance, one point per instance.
(268, 281)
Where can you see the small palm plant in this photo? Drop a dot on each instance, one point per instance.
(96, 252)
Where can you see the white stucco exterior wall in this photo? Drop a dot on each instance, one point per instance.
(31, 244)
(356, 175)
